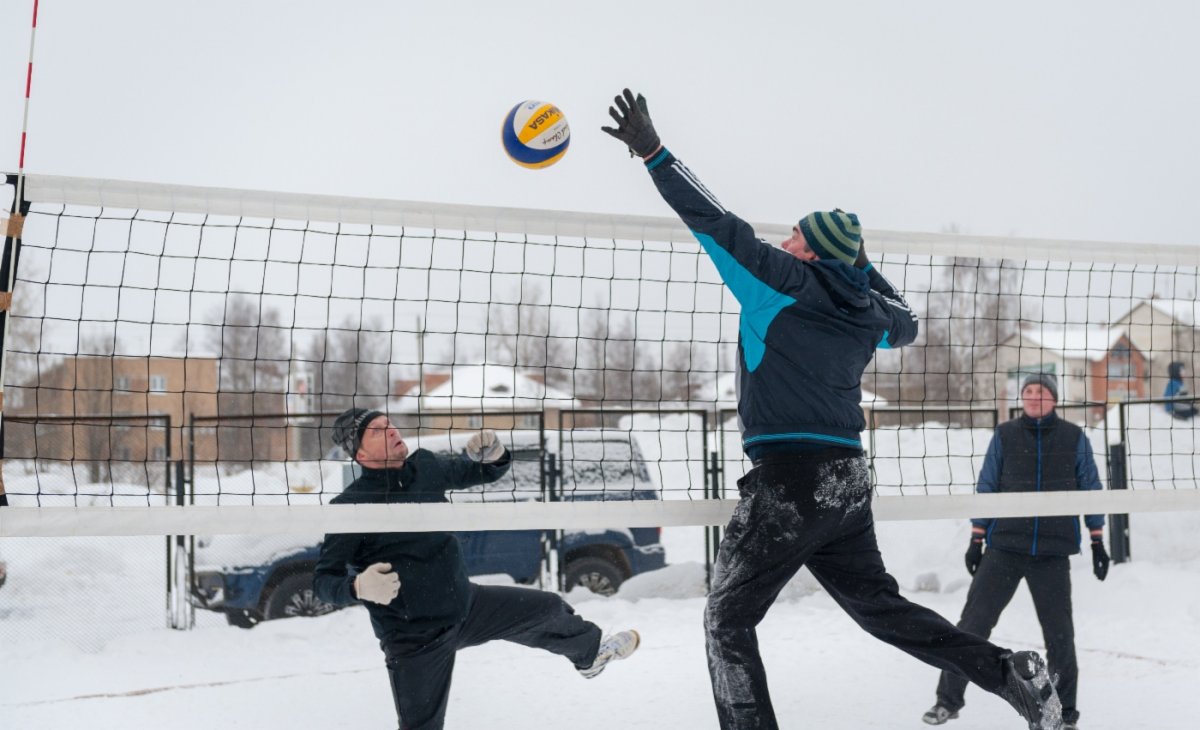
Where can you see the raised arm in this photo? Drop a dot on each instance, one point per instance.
(483, 461)
(754, 270)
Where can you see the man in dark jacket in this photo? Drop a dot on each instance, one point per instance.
(812, 314)
(1037, 452)
(414, 584)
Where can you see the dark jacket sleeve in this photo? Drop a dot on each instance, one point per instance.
(461, 472)
(989, 477)
(754, 270)
(904, 320)
(1087, 476)
(332, 580)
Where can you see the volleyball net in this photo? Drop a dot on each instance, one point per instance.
(175, 356)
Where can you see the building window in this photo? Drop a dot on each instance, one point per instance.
(159, 453)
(158, 383)
(475, 421)
(121, 382)
(122, 453)
(1119, 362)
(528, 420)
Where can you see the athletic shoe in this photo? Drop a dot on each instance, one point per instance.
(1028, 688)
(939, 715)
(618, 646)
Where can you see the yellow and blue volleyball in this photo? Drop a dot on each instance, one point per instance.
(535, 134)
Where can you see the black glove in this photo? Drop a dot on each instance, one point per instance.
(634, 127)
(1100, 559)
(974, 555)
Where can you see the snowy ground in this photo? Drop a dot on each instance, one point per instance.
(103, 664)
(82, 643)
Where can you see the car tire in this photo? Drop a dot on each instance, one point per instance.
(596, 574)
(294, 596)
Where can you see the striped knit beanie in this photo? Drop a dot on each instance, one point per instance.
(833, 235)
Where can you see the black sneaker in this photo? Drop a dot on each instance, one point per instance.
(939, 715)
(1028, 688)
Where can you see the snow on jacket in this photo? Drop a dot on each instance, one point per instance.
(807, 330)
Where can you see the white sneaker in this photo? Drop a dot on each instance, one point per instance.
(617, 646)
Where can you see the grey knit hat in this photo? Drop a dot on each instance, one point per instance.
(1046, 380)
(349, 427)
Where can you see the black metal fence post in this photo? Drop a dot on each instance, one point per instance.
(1118, 533)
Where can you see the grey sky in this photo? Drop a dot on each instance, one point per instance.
(1052, 119)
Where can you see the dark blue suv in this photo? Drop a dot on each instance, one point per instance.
(252, 579)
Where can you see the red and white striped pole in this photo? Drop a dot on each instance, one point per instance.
(25, 121)
(12, 242)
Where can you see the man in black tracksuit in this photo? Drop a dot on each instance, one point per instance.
(414, 585)
(1036, 452)
(812, 314)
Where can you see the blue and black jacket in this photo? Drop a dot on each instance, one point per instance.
(807, 329)
(1038, 455)
(434, 590)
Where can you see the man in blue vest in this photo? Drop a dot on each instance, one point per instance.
(1036, 452)
(813, 312)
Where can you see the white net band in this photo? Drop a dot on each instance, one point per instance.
(314, 519)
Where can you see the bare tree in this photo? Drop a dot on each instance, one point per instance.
(253, 350)
(520, 335)
(349, 365)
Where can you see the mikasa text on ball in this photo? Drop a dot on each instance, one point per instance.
(535, 134)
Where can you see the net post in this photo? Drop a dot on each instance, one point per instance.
(1118, 536)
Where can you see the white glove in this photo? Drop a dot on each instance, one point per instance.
(485, 447)
(377, 584)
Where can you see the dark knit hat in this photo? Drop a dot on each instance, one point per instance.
(349, 427)
(833, 235)
(1046, 380)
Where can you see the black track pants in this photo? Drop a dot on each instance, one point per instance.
(1049, 579)
(815, 510)
(420, 668)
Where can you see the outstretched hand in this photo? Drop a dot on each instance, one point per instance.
(634, 127)
(484, 447)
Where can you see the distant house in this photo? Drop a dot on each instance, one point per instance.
(721, 395)
(478, 396)
(1097, 364)
(1165, 330)
(93, 408)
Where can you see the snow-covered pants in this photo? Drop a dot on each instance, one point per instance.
(420, 666)
(1049, 579)
(814, 509)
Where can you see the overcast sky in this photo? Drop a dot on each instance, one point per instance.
(1070, 120)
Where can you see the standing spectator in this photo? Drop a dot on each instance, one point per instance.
(812, 314)
(414, 584)
(1035, 452)
(1176, 389)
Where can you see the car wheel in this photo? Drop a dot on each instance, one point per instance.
(294, 596)
(596, 574)
(242, 619)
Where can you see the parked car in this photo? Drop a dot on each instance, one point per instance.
(251, 579)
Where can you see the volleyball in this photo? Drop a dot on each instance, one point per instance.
(535, 134)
